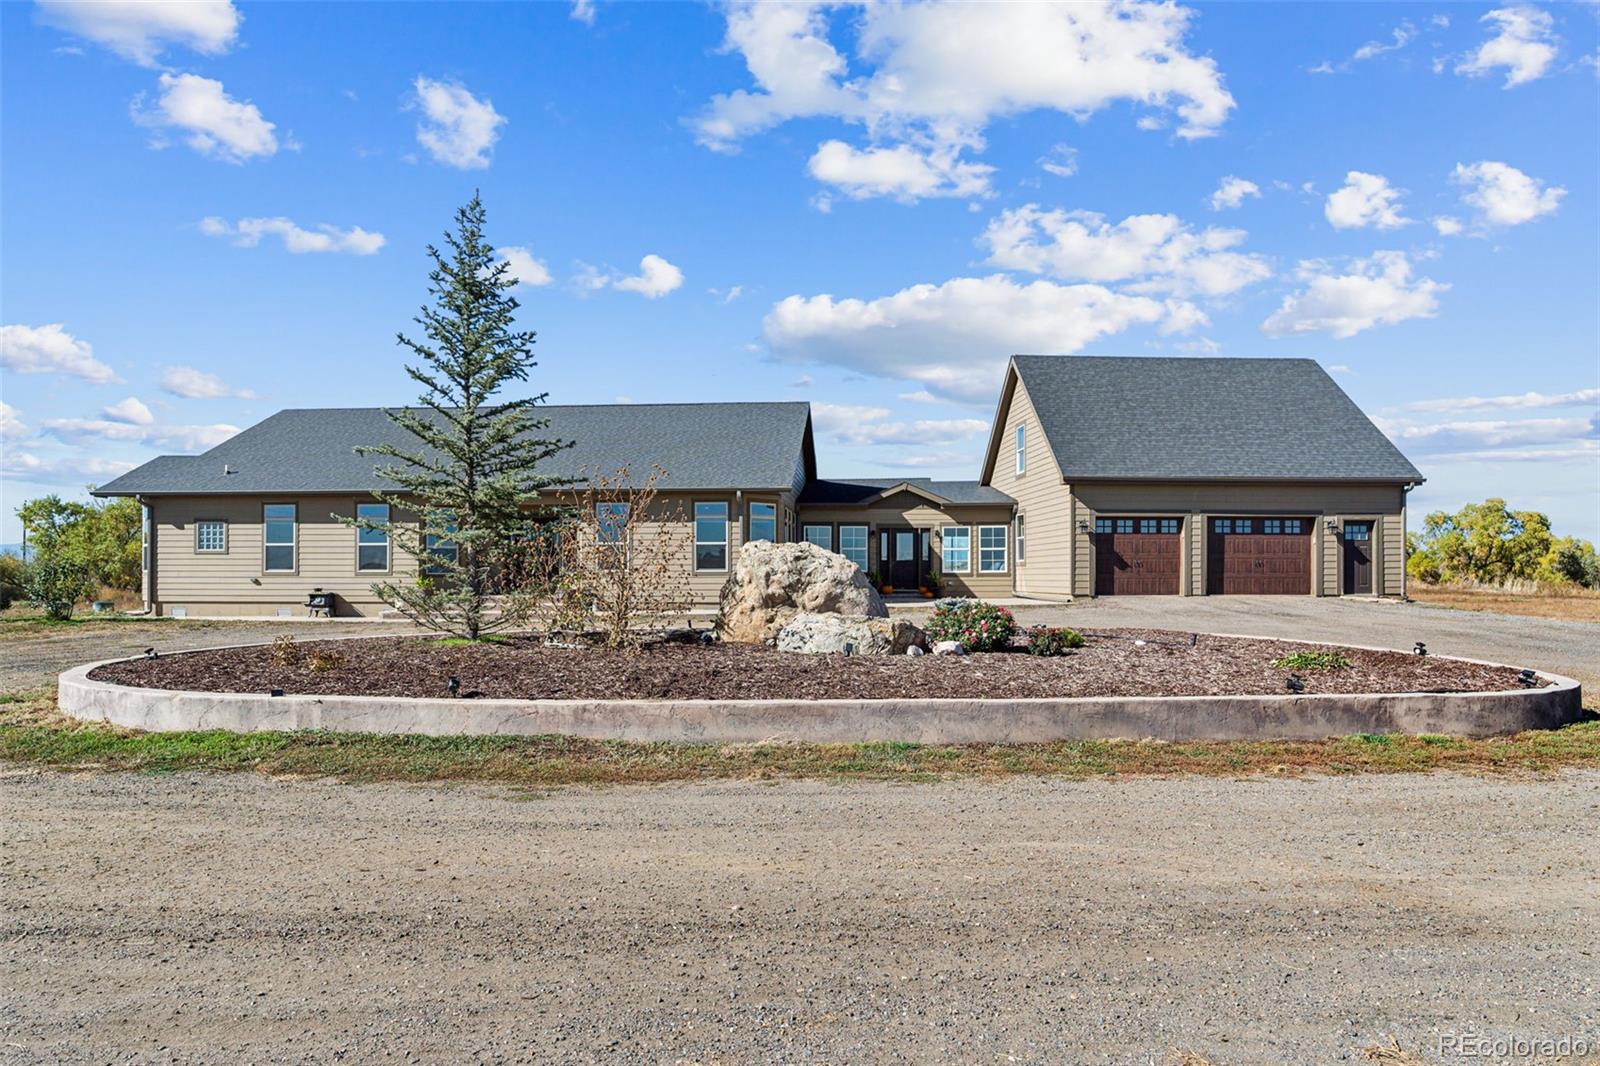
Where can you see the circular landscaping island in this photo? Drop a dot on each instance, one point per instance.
(1120, 683)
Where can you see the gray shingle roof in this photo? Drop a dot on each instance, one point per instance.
(1140, 417)
(701, 446)
(859, 490)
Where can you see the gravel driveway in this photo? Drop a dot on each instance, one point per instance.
(1570, 648)
(243, 919)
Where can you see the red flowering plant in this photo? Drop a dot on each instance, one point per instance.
(976, 625)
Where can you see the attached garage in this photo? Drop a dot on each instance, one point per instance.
(1137, 556)
(1258, 556)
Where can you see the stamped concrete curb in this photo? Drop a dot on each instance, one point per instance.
(927, 721)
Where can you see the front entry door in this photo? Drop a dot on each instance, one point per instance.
(1358, 558)
(904, 559)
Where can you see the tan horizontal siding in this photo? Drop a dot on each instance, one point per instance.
(909, 510)
(1042, 499)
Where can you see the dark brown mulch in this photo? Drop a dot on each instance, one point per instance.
(1167, 664)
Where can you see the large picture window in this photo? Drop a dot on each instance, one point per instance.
(821, 536)
(764, 521)
(711, 536)
(853, 544)
(956, 543)
(991, 549)
(278, 537)
(372, 545)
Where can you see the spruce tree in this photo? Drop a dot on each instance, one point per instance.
(470, 476)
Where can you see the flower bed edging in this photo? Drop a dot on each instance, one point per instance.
(927, 721)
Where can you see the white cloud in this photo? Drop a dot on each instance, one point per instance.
(1504, 195)
(525, 268)
(141, 31)
(194, 384)
(11, 424)
(1365, 200)
(861, 425)
(1340, 368)
(50, 350)
(131, 411)
(656, 277)
(247, 233)
(457, 128)
(183, 438)
(1522, 400)
(216, 124)
(728, 295)
(953, 339)
(1488, 433)
(1446, 225)
(30, 467)
(1061, 160)
(931, 77)
(1378, 291)
(905, 173)
(920, 396)
(1157, 253)
(1524, 43)
(1399, 37)
(1232, 192)
(583, 11)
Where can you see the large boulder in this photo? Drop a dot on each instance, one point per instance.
(771, 583)
(821, 634)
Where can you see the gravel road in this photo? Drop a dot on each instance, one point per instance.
(243, 919)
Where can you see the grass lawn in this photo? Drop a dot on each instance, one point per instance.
(1576, 606)
(34, 733)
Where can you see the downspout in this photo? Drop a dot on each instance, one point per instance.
(1405, 539)
(147, 556)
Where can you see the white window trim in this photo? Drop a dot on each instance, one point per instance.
(1022, 541)
(750, 519)
(944, 550)
(725, 543)
(1022, 449)
(1005, 549)
(388, 549)
(866, 542)
(223, 522)
(805, 534)
(293, 544)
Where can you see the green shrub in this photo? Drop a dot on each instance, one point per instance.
(976, 625)
(55, 585)
(1312, 660)
(13, 577)
(1053, 640)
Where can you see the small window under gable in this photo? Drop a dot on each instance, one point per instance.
(1022, 449)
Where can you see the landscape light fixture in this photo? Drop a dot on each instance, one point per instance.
(150, 653)
(849, 649)
(276, 692)
(454, 684)
(1294, 683)
(1421, 648)
(1527, 677)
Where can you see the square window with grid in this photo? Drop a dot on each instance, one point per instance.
(991, 549)
(210, 536)
(1102, 525)
(1222, 525)
(1169, 525)
(1124, 525)
(1294, 525)
(853, 544)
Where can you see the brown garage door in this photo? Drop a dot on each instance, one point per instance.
(1259, 556)
(1136, 556)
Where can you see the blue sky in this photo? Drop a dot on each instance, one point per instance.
(215, 211)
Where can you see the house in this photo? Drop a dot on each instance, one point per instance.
(1102, 476)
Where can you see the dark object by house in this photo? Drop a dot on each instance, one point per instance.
(319, 603)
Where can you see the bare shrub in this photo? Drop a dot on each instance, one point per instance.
(285, 652)
(325, 659)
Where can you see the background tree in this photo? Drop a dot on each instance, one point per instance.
(77, 549)
(470, 475)
(1490, 544)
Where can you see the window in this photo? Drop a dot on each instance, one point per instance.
(1358, 531)
(372, 545)
(1147, 525)
(883, 547)
(991, 549)
(1294, 525)
(441, 547)
(957, 549)
(1022, 449)
(1022, 542)
(711, 536)
(1102, 525)
(821, 536)
(1272, 525)
(764, 521)
(210, 535)
(1168, 525)
(927, 543)
(853, 544)
(278, 520)
(1124, 525)
(1243, 525)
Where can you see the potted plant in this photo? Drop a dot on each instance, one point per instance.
(931, 590)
